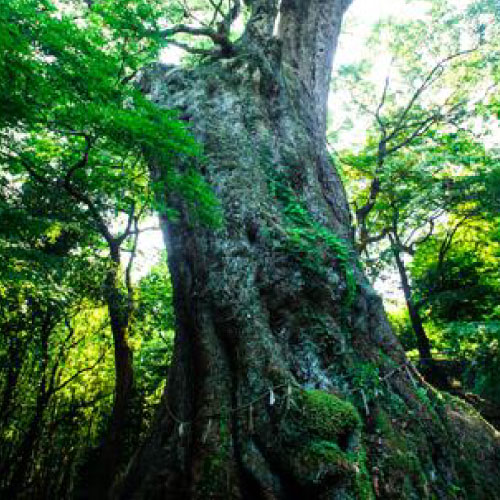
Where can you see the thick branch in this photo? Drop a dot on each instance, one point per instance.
(262, 19)
(128, 229)
(199, 51)
(83, 160)
(219, 36)
(190, 30)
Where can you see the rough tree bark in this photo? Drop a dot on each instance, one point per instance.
(286, 381)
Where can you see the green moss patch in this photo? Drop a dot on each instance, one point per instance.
(325, 416)
(322, 441)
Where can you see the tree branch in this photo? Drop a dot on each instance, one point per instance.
(432, 76)
(77, 374)
(422, 240)
(195, 50)
(217, 11)
(219, 37)
(366, 240)
(381, 105)
(82, 162)
(130, 220)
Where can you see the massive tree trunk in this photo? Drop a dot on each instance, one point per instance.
(287, 380)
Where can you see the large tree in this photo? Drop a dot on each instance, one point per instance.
(286, 379)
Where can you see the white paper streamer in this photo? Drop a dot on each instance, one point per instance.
(272, 397)
(365, 402)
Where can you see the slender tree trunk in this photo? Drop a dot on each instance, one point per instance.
(287, 381)
(423, 344)
(14, 360)
(25, 453)
(430, 368)
(120, 315)
(102, 469)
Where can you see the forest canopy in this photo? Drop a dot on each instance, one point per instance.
(94, 152)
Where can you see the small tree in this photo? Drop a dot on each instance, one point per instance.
(403, 182)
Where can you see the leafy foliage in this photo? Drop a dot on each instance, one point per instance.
(76, 141)
(423, 183)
